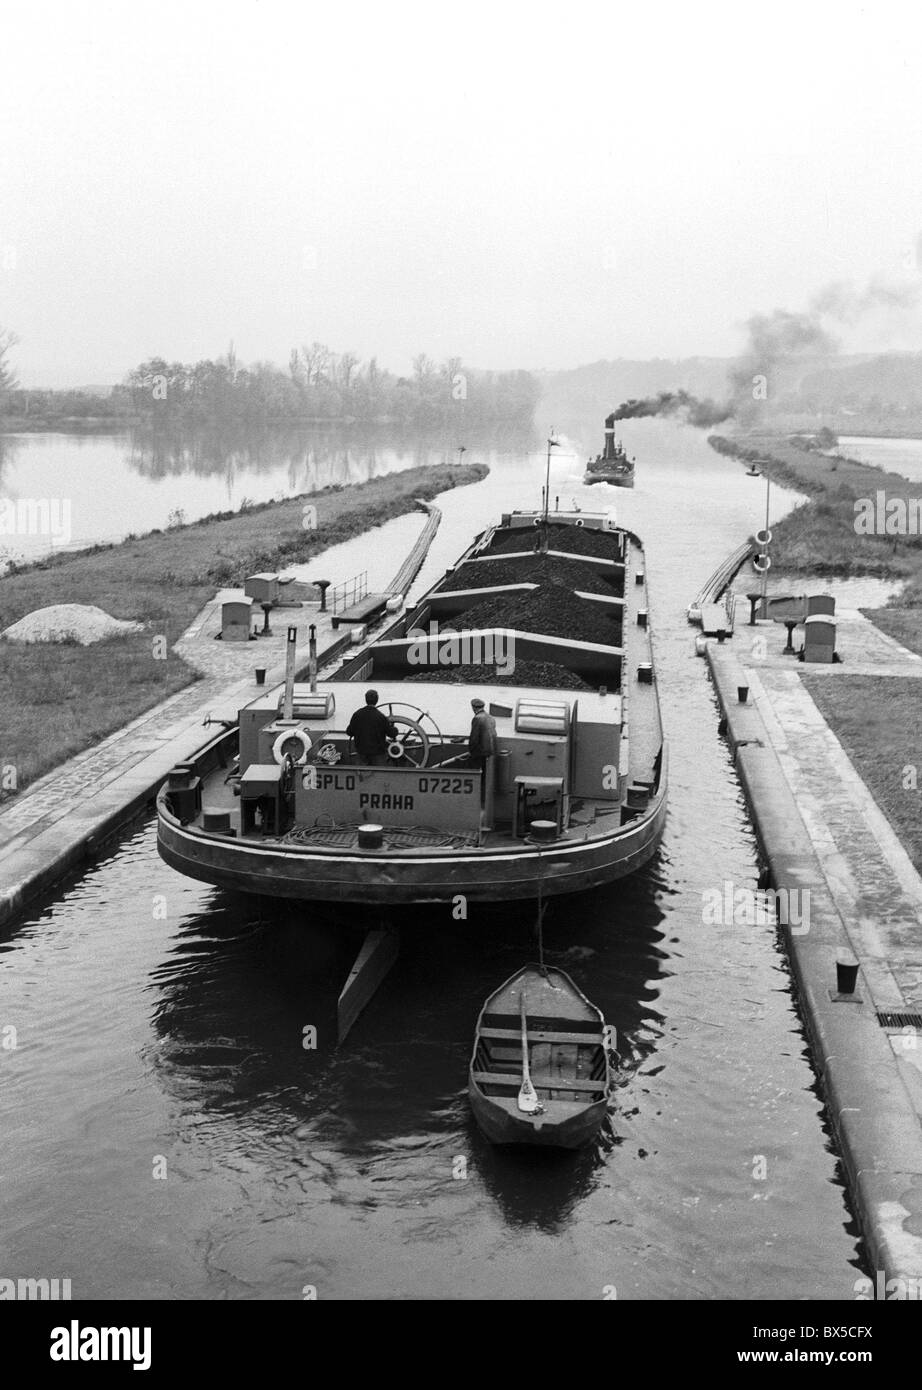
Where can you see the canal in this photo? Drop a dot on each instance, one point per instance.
(169, 1132)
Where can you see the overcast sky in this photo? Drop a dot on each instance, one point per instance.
(521, 184)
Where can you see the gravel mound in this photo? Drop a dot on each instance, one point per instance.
(69, 622)
(532, 569)
(535, 673)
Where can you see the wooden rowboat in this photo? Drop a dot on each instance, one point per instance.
(539, 1037)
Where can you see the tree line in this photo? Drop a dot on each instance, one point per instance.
(318, 385)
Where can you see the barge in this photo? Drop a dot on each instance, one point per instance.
(612, 465)
(545, 620)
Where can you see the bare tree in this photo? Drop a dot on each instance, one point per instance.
(8, 378)
(347, 365)
(423, 367)
(316, 362)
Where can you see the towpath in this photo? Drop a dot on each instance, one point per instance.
(826, 840)
(62, 819)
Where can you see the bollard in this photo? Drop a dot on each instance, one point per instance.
(846, 976)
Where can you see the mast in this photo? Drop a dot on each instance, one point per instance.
(551, 444)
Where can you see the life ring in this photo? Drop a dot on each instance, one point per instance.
(764, 566)
(278, 747)
(764, 537)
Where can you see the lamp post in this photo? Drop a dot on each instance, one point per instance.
(551, 444)
(767, 533)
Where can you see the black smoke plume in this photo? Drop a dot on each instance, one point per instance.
(704, 413)
(777, 342)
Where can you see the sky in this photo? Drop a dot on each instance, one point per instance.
(519, 184)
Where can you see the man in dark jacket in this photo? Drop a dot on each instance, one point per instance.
(370, 730)
(482, 742)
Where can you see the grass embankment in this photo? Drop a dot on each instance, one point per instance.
(60, 698)
(877, 719)
(879, 725)
(820, 538)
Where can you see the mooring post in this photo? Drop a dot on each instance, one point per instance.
(290, 672)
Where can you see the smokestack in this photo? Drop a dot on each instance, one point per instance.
(609, 436)
(290, 650)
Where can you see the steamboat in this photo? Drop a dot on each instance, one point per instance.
(544, 619)
(612, 465)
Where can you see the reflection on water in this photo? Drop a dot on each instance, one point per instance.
(148, 1038)
(117, 485)
(232, 1002)
(329, 456)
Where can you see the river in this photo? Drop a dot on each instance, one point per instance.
(903, 456)
(67, 491)
(166, 1134)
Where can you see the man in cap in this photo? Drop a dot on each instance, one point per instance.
(482, 742)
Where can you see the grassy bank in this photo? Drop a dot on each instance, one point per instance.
(819, 537)
(876, 720)
(58, 699)
(881, 736)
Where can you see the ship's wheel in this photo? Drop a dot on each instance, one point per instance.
(413, 743)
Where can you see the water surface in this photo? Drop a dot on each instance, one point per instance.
(903, 456)
(162, 1020)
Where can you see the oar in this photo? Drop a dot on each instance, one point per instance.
(528, 1096)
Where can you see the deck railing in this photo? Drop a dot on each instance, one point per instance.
(350, 592)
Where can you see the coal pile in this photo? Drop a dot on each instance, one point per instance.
(533, 569)
(543, 674)
(577, 540)
(550, 610)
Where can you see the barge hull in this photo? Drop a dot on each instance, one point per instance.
(387, 878)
